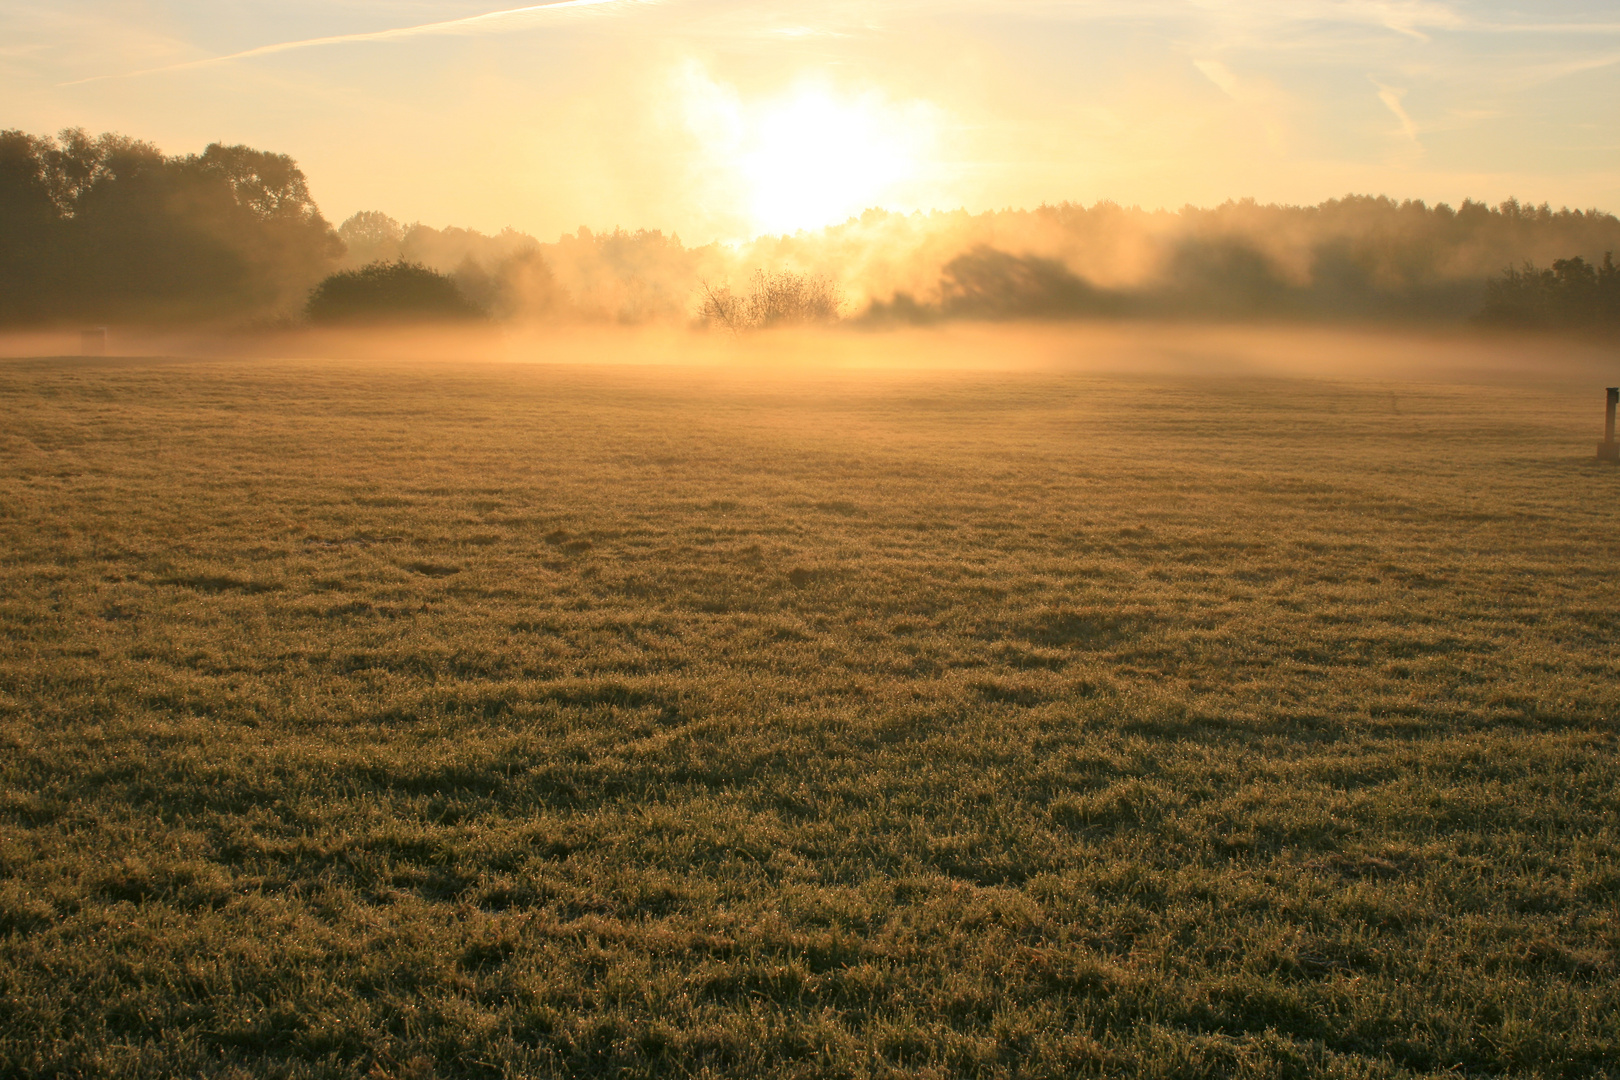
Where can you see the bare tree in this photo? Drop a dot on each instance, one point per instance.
(775, 299)
(721, 308)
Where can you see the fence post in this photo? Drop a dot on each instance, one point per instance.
(1608, 449)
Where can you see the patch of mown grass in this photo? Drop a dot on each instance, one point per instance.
(639, 726)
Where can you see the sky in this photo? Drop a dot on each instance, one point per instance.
(722, 119)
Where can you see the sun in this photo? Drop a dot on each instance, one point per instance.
(813, 159)
(812, 156)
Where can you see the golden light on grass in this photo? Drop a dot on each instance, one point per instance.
(569, 721)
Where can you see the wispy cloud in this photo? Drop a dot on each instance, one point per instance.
(1411, 18)
(1417, 19)
(494, 22)
(1219, 74)
(1606, 29)
(1549, 72)
(1392, 99)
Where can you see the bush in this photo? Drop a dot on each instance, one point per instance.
(389, 292)
(780, 299)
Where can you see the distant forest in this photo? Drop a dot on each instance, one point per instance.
(110, 229)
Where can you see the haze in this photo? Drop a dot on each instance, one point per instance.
(720, 120)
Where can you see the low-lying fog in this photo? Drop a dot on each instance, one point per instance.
(1157, 349)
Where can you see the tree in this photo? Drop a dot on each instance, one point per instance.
(988, 284)
(30, 227)
(1571, 293)
(387, 292)
(371, 236)
(110, 228)
(269, 185)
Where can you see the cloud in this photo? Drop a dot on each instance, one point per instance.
(1584, 29)
(1219, 74)
(493, 22)
(1549, 72)
(1408, 17)
(1412, 19)
(1391, 97)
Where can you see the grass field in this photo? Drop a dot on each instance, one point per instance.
(470, 720)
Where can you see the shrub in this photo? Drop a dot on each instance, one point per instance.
(389, 292)
(779, 299)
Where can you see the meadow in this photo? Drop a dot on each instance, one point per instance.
(475, 719)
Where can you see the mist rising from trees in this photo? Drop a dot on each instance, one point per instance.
(111, 229)
(1356, 259)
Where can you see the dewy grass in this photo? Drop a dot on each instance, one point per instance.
(471, 721)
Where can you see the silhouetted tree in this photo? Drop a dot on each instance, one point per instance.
(30, 228)
(110, 228)
(389, 292)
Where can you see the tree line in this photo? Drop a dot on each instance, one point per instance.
(1572, 293)
(110, 229)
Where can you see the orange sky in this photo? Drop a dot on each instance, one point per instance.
(720, 119)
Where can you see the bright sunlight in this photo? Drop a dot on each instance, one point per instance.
(811, 156)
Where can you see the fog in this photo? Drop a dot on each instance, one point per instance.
(1359, 259)
(1117, 348)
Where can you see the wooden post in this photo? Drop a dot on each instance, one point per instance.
(1608, 449)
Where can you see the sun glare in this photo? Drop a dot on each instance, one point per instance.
(814, 159)
(812, 156)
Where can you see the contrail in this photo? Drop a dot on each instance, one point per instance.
(1391, 97)
(510, 19)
